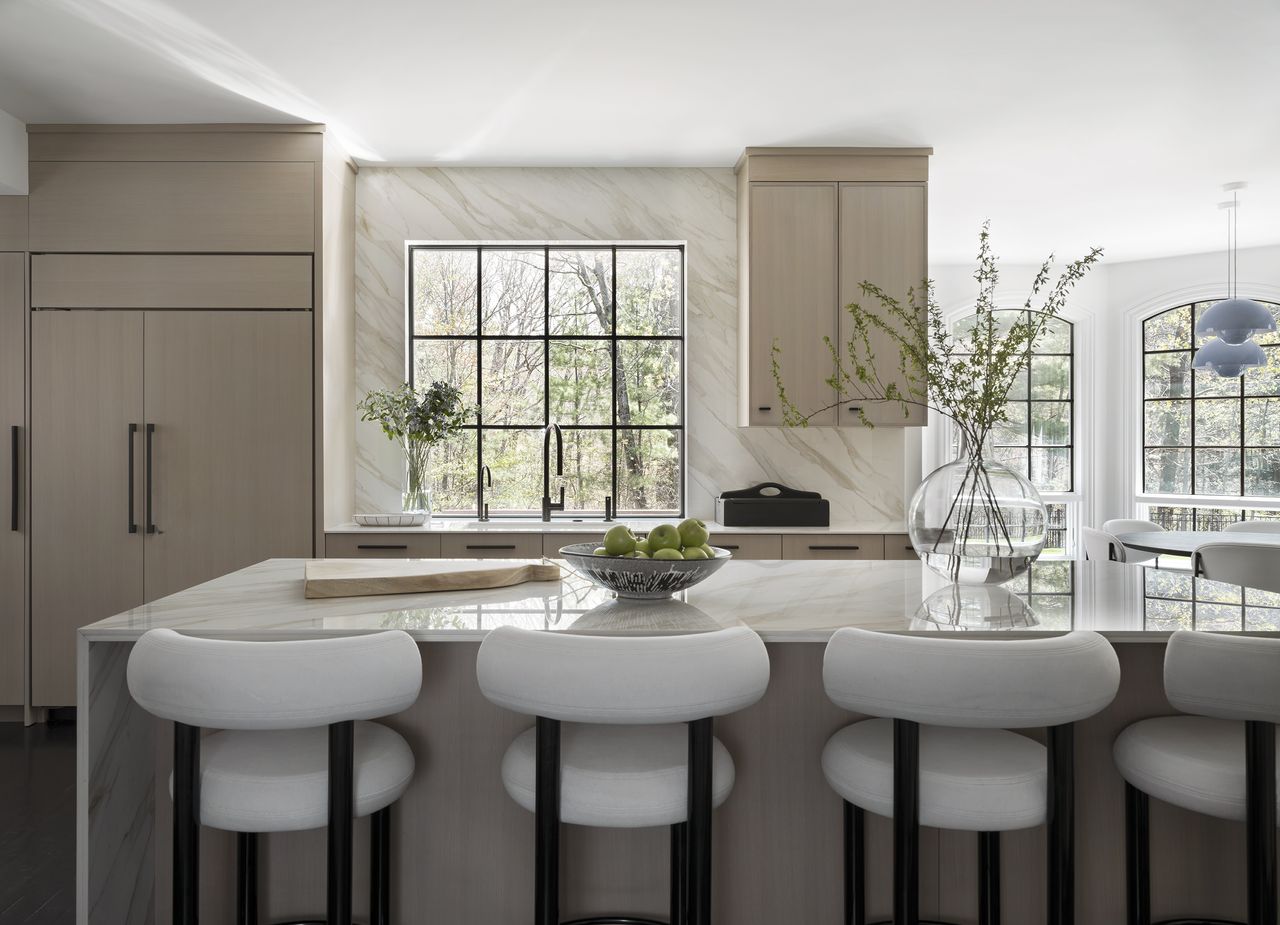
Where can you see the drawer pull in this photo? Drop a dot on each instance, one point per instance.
(382, 546)
(765, 408)
(727, 546)
(833, 548)
(493, 546)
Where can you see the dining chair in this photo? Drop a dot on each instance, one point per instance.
(1253, 526)
(1120, 525)
(1251, 565)
(1103, 546)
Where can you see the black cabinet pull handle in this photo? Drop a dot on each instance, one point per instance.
(381, 546)
(16, 488)
(151, 432)
(854, 408)
(133, 524)
(833, 548)
(765, 408)
(727, 546)
(493, 546)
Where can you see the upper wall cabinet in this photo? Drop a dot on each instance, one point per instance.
(172, 206)
(813, 223)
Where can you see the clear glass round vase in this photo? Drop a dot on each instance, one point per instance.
(976, 522)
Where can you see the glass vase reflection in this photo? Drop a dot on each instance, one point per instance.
(976, 522)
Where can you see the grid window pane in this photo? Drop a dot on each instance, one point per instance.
(648, 383)
(1218, 422)
(451, 361)
(581, 292)
(1051, 378)
(444, 294)
(1167, 375)
(1262, 422)
(1264, 380)
(649, 292)
(1056, 337)
(1262, 473)
(588, 469)
(580, 382)
(1168, 423)
(515, 459)
(1051, 468)
(1051, 423)
(648, 471)
(1169, 330)
(1211, 385)
(1168, 471)
(1014, 457)
(513, 382)
(511, 292)
(1217, 472)
(1012, 432)
(452, 465)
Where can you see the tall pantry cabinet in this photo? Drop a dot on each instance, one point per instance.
(173, 354)
(13, 468)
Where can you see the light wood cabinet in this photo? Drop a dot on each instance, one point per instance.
(172, 207)
(898, 546)
(750, 545)
(13, 473)
(382, 546)
(491, 545)
(553, 541)
(87, 486)
(833, 546)
(813, 223)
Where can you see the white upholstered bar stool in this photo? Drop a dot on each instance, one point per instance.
(1102, 546)
(1125, 525)
(636, 748)
(939, 751)
(1252, 565)
(1253, 526)
(1219, 760)
(293, 750)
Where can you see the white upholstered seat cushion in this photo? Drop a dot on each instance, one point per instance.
(1190, 761)
(617, 776)
(278, 781)
(977, 780)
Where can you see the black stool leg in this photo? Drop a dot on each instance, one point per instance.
(679, 873)
(341, 813)
(1062, 836)
(186, 823)
(1260, 812)
(855, 866)
(380, 867)
(546, 899)
(246, 878)
(700, 751)
(1137, 856)
(988, 878)
(906, 822)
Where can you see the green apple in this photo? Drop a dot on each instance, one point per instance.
(619, 541)
(693, 532)
(695, 552)
(640, 554)
(643, 546)
(711, 553)
(667, 552)
(599, 551)
(664, 536)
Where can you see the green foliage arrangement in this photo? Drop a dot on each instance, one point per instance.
(963, 377)
(417, 423)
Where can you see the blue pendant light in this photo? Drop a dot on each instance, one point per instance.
(1229, 360)
(1235, 320)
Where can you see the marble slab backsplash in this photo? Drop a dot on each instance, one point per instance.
(860, 471)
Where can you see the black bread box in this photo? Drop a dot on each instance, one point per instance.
(771, 504)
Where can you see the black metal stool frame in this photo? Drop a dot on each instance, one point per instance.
(1060, 814)
(1260, 837)
(690, 840)
(186, 838)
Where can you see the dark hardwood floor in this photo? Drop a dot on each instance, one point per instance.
(37, 824)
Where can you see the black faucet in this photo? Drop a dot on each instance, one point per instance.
(547, 504)
(486, 477)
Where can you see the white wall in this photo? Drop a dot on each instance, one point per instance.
(13, 156)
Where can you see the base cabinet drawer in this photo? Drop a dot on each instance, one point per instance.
(750, 545)
(833, 546)
(491, 546)
(898, 546)
(551, 542)
(381, 546)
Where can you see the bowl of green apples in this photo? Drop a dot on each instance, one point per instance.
(670, 558)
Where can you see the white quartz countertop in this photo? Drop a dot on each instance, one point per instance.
(590, 524)
(785, 601)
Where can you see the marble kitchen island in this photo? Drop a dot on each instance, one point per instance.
(463, 851)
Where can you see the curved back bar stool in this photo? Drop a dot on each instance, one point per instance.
(636, 748)
(1126, 525)
(1219, 759)
(1253, 565)
(293, 750)
(1253, 526)
(939, 751)
(1103, 546)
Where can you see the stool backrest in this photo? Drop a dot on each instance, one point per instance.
(1253, 526)
(1252, 565)
(1228, 677)
(620, 679)
(1124, 525)
(1102, 546)
(231, 684)
(974, 683)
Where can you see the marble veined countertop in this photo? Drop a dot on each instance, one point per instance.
(785, 601)
(588, 524)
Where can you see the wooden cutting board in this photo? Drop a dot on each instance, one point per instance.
(363, 577)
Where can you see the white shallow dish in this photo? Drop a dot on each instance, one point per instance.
(399, 519)
(641, 579)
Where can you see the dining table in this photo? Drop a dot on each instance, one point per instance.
(1184, 542)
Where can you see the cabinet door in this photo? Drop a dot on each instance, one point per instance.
(382, 546)
(792, 297)
(13, 529)
(491, 545)
(86, 541)
(833, 546)
(883, 241)
(231, 460)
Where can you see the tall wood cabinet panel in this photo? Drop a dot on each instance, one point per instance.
(166, 207)
(882, 240)
(13, 471)
(793, 287)
(229, 396)
(86, 428)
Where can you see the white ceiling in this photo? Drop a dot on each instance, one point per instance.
(1068, 124)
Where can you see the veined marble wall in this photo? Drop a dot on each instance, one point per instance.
(861, 472)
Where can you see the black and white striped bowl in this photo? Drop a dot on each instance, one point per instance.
(643, 579)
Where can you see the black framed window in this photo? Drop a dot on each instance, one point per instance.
(1174, 599)
(589, 337)
(1205, 434)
